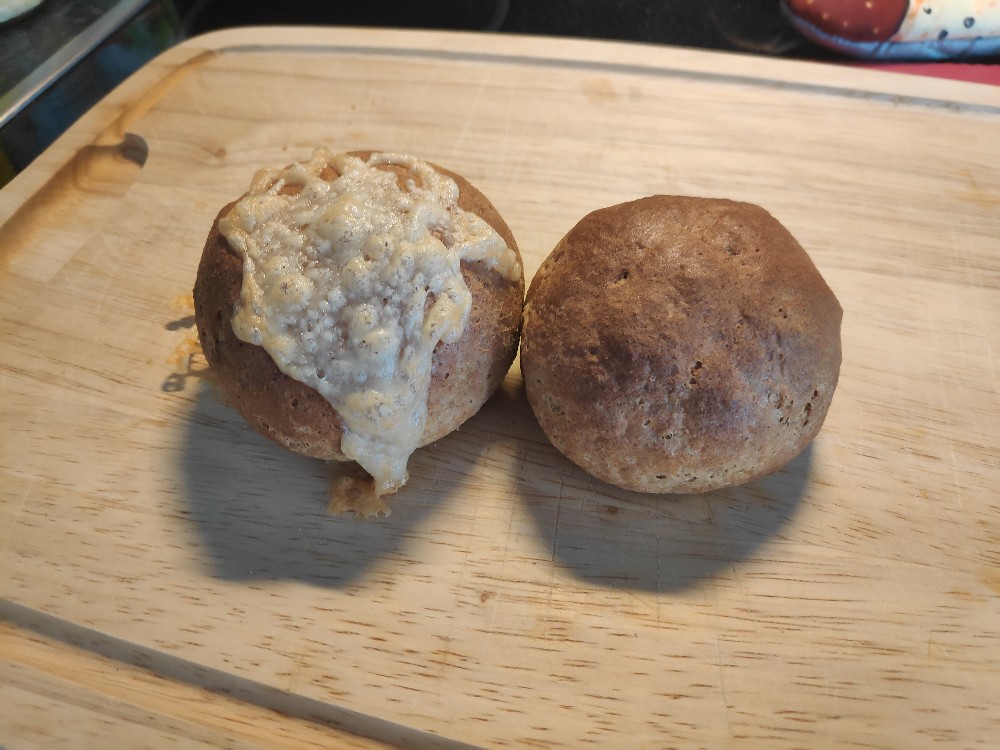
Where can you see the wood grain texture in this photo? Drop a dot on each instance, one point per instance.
(850, 600)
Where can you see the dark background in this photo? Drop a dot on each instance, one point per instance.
(736, 25)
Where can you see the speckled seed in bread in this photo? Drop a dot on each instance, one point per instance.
(680, 345)
(463, 374)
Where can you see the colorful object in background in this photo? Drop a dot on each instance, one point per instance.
(900, 29)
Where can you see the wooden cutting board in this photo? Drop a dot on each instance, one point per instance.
(852, 599)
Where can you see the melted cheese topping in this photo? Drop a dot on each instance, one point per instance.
(350, 282)
(351, 495)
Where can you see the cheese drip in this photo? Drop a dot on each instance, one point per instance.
(350, 282)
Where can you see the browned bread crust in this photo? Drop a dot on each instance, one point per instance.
(680, 345)
(463, 375)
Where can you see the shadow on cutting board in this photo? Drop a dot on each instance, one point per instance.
(261, 511)
(619, 539)
(261, 514)
(665, 542)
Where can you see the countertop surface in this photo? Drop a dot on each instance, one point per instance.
(37, 49)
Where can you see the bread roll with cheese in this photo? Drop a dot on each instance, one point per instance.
(358, 306)
(680, 345)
